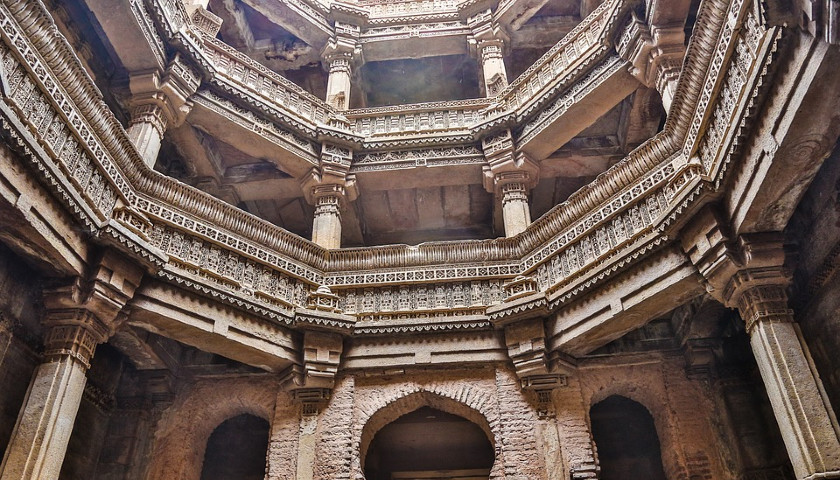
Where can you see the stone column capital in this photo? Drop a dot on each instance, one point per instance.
(162, 98)
(87, 311)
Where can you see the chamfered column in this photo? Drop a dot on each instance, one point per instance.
(340, 54)
(45, 423)
(795, 389)
(338, 82)
(487, 43)
(326, 226)
(515, 210)
(78, 317)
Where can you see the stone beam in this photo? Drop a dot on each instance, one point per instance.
(422, 350)
(605, 89)
(271, 142)
(542, 32)
(300, 22)
(517, 13)
(34, 224)
(235, 28)
(645, 292)
(214, 327)
(129, 34)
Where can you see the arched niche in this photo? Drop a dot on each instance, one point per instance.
(626, 438)
(425, 432)
(237, 449)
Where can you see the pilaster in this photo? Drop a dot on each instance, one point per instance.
(488, 43)
(748, 273)
(78, 317)
(159, 101)
(510, 176)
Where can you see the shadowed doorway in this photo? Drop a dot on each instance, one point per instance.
(429, 444)
(236, 450)
(625, 435)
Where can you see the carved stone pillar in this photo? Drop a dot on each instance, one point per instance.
(329, 188)
(802, 411)
(78, 318)
(159, 101)
(509, 176)
(340, 54)
(749, 275)
(487, 43)
(515, 210)
(326, 227)
(656, 53)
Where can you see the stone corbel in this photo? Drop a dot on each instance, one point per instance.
(203, 19)
(510, 176)
(521, 316)
(323, 343)
(164, 95)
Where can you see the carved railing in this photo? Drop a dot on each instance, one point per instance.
(394, 123)
(56, 118)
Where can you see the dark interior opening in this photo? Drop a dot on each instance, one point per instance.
(429, 443)
(625, 435)
(236, 450)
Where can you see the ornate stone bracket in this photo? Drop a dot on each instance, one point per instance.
(324, 328)
(656, 53)
(521, 317)
(330, 187)
(159, 100)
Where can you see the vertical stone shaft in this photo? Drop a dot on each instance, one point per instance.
(146, 132)
(338, 84)
(805, 419)
(39, 442)
(326, 226)
(515, 211)
(493, 68)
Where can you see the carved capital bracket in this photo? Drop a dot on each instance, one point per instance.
(162, 100)
(505, 166)
(88, 311)
(747, 273)
(330, 183)
(656, 54)
(486, 34)
(202, 19)
(312, 381)
(343, 50)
